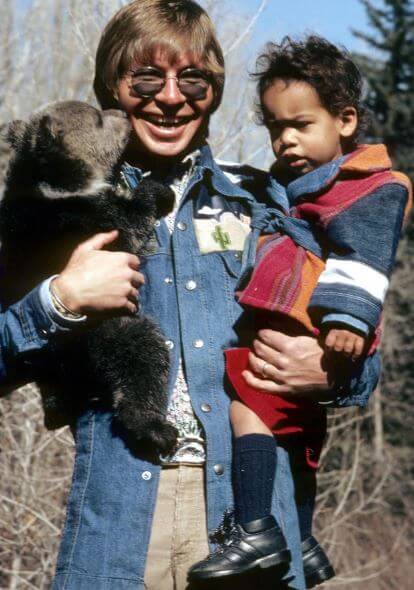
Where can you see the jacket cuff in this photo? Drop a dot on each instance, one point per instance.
(356, 385)
(347, 320)
(25, 329)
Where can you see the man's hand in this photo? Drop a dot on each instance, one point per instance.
(96, 280)
(287, 365)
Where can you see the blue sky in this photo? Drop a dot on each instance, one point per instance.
(330, 18)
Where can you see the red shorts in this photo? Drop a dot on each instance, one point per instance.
(290, 420)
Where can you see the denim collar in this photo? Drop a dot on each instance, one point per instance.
(205, 165)
(309, 183)
(135, 175)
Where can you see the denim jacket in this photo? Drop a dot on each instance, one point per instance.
(191, 296)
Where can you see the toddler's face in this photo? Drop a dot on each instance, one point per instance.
(304, 134)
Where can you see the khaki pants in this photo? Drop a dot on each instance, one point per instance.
(179, 530)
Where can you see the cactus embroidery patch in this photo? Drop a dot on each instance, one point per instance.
(221, 231)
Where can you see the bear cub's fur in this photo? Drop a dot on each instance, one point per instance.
(60, 190)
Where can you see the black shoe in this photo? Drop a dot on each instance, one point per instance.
(259, 543)
(316, 565)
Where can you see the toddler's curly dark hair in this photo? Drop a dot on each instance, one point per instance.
(327, 68)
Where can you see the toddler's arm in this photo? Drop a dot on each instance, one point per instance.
(364, 239)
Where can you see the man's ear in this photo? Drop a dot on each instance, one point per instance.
(14, 132)
(348, 122)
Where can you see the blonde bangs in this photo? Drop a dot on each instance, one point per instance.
(171, 45)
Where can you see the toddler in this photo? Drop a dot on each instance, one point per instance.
(321, 269)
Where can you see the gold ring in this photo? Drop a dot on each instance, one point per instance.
(263, 369)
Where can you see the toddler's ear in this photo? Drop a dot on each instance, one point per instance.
(348, 122)
(14, 132)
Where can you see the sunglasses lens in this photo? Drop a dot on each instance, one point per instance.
(193, 91)
(147, 89)
(193, 85)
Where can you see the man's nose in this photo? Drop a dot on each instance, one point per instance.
(170, 93)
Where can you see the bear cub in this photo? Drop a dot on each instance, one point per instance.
(61, 188)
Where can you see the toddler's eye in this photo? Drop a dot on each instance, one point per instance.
(273, 125)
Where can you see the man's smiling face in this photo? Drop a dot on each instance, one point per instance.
(167, 125)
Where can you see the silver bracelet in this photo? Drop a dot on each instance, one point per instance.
(61, 308)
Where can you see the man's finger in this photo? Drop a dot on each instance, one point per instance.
(138, 279)
(98, 241)
(269, 355)
(264, 384)
(256, 365)
(131, 307)
(276, 340)
(133, 261)
(133, 295)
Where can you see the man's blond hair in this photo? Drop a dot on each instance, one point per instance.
(141, 28)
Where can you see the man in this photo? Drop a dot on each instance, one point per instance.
(130, 522)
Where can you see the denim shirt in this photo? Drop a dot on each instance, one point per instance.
(191, 296)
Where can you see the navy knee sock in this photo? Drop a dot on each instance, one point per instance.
(254, 467)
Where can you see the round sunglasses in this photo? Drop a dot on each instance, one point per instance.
(148, 82)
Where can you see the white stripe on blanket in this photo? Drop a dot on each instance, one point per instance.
(357, 275)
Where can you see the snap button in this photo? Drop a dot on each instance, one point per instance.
(169, 344)
(168, 280)
(218, 469)
(147, 475)
(182, 226)
(190, 285)
(44, 332)
(206, 408)
(237, 255)
(53, 329)
(198, 343)
(157, 223)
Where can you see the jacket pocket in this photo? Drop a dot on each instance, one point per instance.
(232, 262)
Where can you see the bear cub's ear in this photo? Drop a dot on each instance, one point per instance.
(14, 132)
(50, 128)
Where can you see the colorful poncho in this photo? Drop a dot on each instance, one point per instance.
(330, 259)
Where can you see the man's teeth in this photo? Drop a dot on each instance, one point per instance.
(166, 121)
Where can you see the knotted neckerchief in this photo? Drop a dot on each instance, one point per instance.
(267, 220)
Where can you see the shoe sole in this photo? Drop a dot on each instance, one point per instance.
(320, 576)
(263, 563)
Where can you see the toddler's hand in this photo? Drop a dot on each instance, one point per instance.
(345, 341)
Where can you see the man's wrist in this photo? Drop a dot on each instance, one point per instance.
(55, 315)
(65, 295)
(60, 306)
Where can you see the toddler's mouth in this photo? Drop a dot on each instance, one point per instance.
(295, 161)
